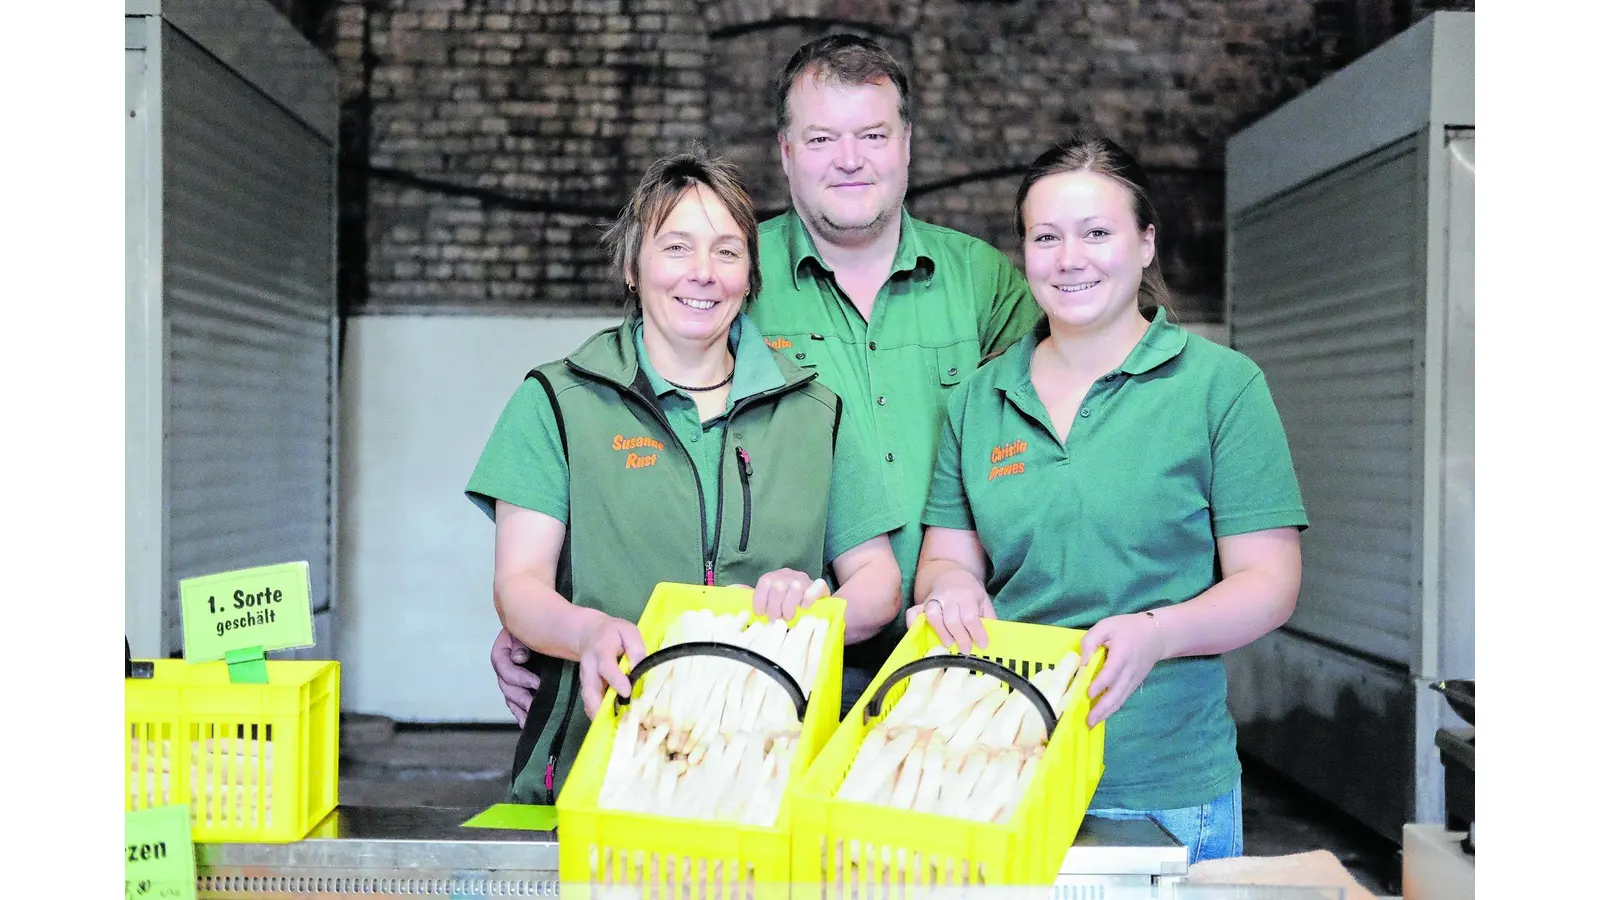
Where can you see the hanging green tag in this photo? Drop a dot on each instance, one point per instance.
(247, 666)
(263, 608)
(160, 854)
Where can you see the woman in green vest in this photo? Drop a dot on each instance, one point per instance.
(1113, 472)
(675, 447)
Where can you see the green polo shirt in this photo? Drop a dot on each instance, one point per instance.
(523, 464)
(1178, 446)
(951, 301)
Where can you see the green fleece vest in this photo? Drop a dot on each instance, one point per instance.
(635, 512)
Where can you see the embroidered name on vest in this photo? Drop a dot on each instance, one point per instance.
(637, 460)
(621, 443)
(779, 343)
(1004, 452)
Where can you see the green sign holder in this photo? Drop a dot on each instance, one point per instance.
(247, 665)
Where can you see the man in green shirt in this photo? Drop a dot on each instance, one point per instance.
(891, 312)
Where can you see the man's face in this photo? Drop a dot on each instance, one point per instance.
(847, 156)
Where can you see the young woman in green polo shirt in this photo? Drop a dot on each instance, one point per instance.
(675, 447)
(1115, 473)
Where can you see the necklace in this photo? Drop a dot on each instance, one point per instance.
(709, 387)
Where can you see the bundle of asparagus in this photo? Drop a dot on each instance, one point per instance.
(959, 743)
(228, 777)
(712, 738)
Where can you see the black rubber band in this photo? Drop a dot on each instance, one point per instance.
(964, 661)
(726, 651)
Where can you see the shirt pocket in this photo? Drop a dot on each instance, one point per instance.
(955, 362)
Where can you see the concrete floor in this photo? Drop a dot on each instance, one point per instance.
(385, 765)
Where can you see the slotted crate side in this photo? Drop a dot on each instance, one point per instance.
(253, 762)
(920, 849)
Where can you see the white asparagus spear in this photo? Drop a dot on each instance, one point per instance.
(1080, 675)
(1020, 788)
(702, 680)
(871, 746)
(1048, 681)
(927, 794)
(709, 722)
(1064, 671)
(622, 756)
(993, 788)
(818, 628)
(966, 735)
(905, 784)
(945, 701)
(759, 703)
(919, 688)
(976, 690)
(1002, 729)
(666, 787)
(880, 767)
(752, 768)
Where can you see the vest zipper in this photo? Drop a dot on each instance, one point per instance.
(710, 552)
(555, 746)
(699, 490)
(716, 533)
(745, 471)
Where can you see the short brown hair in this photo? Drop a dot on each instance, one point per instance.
(843, 59)
(657, 195)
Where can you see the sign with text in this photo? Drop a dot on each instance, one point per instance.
(160, 854)
(267, 607)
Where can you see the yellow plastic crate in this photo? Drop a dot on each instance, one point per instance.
(905, 848)
(600, 848)
(254, 762)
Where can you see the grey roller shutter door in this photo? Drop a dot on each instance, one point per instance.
(248, 329)
(1328, 300)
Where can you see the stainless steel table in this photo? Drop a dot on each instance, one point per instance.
(424, 851)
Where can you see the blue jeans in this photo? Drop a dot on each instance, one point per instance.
(1212, 830)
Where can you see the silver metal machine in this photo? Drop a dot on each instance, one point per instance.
(1350, 282)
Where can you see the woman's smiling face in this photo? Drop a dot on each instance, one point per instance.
(1083, 249)
(695, 270)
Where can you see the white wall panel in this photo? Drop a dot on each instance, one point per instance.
(420, 396)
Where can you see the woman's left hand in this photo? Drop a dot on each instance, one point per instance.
(1133, 646)
(782, 593)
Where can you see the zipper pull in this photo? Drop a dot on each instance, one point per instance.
(550, 777)
(744, 462)
(711, 576)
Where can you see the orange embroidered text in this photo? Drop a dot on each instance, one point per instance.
(779, 343)
(1011, 469)
(621, 443)
(635, 461)
(1006, 451)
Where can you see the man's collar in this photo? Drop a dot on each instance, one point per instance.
(908, 255)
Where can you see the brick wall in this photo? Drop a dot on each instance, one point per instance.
(484, 141)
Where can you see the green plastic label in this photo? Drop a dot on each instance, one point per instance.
(515, 816)
(160, 854)
(267, 607)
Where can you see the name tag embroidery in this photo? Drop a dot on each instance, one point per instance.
(1003, 452)
(636, 460)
